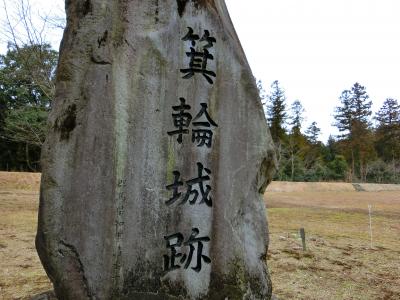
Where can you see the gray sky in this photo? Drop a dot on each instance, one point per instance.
(315, 48)
(318, 48)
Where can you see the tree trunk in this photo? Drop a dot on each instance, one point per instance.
(292, 162)
(28, 163)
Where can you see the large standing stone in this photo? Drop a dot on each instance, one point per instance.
(156, 106)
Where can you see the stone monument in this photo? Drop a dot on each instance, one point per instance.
(157, 157)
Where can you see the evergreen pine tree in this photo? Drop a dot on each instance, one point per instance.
(343, 114)
(276, 112)
(361, 105)
(352, 118)
(388, 131)
(297, 118)
(312, 133)
(389, 113)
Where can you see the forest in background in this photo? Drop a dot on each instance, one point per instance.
(363, 152)
(367, 149)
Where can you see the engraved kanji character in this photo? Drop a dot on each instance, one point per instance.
(203, 136)
(176, 259)
(198, 64)
(193, 239)
(200, 182)
(182, 120)
(169, 261)
(199, 59)
(175, 188)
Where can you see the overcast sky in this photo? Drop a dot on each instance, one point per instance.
(318, 48)
(315, 48)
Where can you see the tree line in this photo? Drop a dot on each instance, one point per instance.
(362, 152)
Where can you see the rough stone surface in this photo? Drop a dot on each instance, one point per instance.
(108, 158)
(45, 296)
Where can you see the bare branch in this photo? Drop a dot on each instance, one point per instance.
(10, 28)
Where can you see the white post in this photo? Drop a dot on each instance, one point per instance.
(370, 222)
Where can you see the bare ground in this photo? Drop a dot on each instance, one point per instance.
(338, 264)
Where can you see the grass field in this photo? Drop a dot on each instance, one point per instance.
(338, 264)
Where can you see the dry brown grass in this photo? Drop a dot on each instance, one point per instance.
(338, 264)
(21, 274)
(287, 186)
(21, 181)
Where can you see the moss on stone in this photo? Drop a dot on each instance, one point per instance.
(64, 72)
(237, 284)
(120, 23)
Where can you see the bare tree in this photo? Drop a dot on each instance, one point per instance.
(23, 28)
(27, 74)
